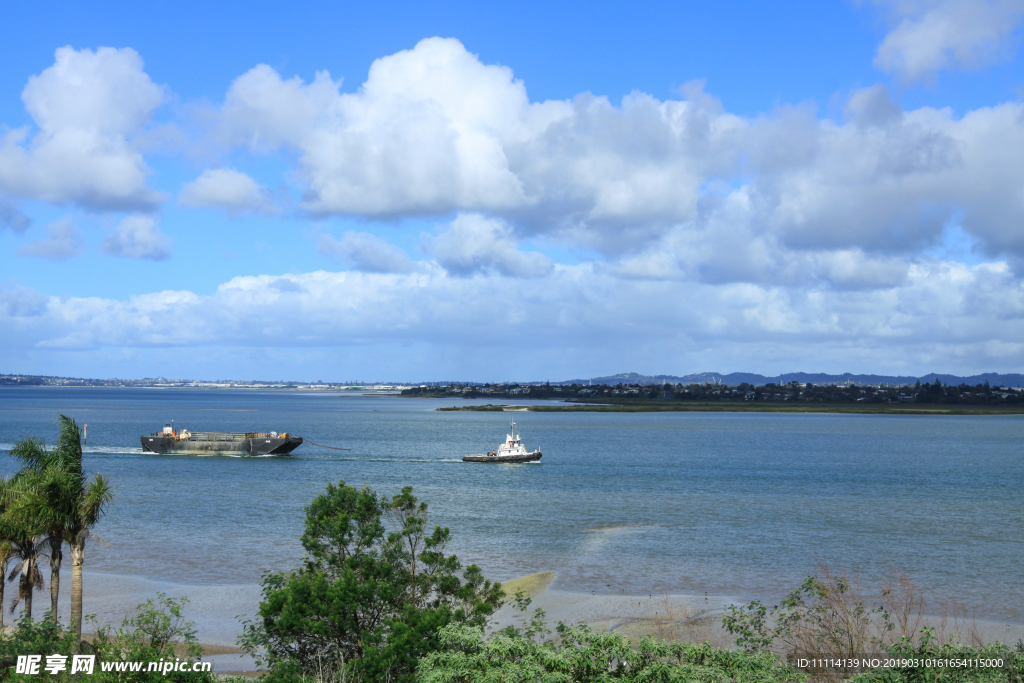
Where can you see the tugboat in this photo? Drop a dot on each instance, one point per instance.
(173, 442)
(510, 451)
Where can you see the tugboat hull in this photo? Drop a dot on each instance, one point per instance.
(227, 444)
(483, 457)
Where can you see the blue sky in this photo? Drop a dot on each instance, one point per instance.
(416, 191)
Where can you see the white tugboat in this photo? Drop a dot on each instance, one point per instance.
(510, 451)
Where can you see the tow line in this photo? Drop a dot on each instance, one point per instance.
(333, 448)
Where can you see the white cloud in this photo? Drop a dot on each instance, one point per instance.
(63, 241)
(931, 35)
(420, 136)
(474, 244)
(892, 187)
(363, 251)
(941, 315)
(730, 245)
(137, 236)
(230, 190)
(87, 108)
(433, 130)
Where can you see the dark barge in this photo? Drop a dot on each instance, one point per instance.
(173, 442)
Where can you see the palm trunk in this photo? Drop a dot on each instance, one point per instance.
(26, 591)
(56, 556)
(3, 582)
(77, 557)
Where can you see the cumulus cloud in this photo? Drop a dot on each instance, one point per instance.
(63, 241)
(418, 137)
(87, 108)
(137, 236)
(230, 190)
(931, 35)
(433, 130)
(474, 244)
(889, 183)
(363, 251)
(731, 245)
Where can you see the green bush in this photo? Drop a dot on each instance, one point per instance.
(582, 655)
(156, 631)
(829, 618)
(42, 637)
(927, 649)
(369, 602)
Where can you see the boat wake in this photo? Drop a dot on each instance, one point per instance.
(93, 450)
(379, 459)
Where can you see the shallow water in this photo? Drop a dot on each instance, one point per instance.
(729, 504)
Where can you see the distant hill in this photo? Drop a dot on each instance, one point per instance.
(734, 378)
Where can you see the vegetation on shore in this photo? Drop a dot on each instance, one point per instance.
(155, 632)
(378, 599)
(832, 618)
(582, 655)
(375, 591)
(627, 406)
(924, 399)
(47, 505)
(49, 502)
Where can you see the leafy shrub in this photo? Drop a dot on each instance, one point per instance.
(156, 631)
(826, 617)
(829, 617)
(928, 648)
(369, 602)
(582, 655)
(33, 637)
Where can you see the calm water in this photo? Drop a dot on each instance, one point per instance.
(731, 504)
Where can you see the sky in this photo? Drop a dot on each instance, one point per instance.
(426, 191)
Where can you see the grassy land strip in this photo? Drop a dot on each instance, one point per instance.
(759, 407)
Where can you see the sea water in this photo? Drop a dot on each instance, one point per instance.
(738, 504)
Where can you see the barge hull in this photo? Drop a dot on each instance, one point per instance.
(256, 446)
(482, 457)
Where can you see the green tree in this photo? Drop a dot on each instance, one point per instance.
(52, 492)
(6, 555)
(26, 546)
(20, 541)
(372, 596)
(32, 452)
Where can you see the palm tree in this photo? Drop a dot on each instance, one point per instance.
(33, 453)
(26, 547)
(6, 554)
(11, 548)
(54, 493)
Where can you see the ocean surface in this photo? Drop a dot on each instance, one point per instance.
(623, 503)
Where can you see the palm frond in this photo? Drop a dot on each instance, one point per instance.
(96, 496)
(31, 451)
(44, 501)
(68, 453)
(88, 533)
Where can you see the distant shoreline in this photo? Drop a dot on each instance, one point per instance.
(750, 407)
